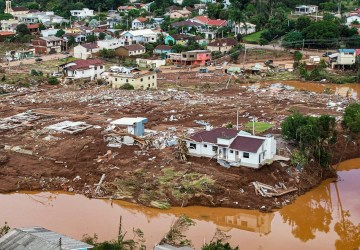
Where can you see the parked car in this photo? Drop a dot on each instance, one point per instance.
(326, 54)
(38, 59)
(218, 67)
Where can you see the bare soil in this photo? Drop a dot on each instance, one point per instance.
(76, 163)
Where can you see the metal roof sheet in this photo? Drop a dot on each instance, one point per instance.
(39, 238)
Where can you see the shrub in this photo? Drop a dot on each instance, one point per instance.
(34, 72)
(53, 80)
(127, 86)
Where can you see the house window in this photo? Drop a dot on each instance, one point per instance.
(205, 146)
(246, 155)
(214, 148)
(231, 151)
(141, 79)
(95, 68)
(115, 79)
(101, 67)
(192, 56)
(237, 153)
(127, 80)
(153, 77)
(192, 145)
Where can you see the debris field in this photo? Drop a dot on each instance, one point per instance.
(61, 139)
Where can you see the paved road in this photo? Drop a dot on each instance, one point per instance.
(32, 60)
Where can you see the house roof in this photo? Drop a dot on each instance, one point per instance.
(89, 45)
(180, 36)
(128, 121)
(346, 50)
(98, 30)
(33, 26)
(189, 23)
(246, 144)
(134, 47)
(84, 64)
(7, 33)
(226, 41)
(19, 8)
(139, 32)
(51, 38)
(163, 47)
(39, 238)
(211, 22)
(212, 135)
(141, 19)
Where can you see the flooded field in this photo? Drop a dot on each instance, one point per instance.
(328, 217)
(345, 90)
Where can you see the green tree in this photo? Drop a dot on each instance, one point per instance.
(326, 33)
(60, 33)
(302, 22)
(5, 16)
(292, 39)
(22, 30)
(102, 36)
(351, 118)
(91, 38)
(218, 245)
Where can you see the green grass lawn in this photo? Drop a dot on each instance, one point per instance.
(254, 37)
(259, 126)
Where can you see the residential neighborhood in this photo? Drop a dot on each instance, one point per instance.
(179, 124)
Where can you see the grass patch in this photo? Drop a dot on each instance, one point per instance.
(254, 37)
(259, 126)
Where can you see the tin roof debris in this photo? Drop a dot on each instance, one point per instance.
(69, 127)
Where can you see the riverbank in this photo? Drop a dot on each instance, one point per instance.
(311, 222)
(33, 158)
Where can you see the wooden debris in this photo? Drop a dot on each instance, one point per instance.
(270, 191)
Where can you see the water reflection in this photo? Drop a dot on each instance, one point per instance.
(311, 213)
(325, 218)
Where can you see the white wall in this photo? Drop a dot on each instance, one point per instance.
(87, 73)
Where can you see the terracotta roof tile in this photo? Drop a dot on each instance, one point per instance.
(85, 64)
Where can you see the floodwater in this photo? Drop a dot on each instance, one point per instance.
(345, 90)
(327, 217)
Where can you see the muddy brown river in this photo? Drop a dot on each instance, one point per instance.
(344, 90)
(327, 217)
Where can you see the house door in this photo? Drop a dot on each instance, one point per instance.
(259, 158)
(224, 153)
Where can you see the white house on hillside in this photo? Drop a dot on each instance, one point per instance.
(233, 147)
(351, 19)
(85, 12)
(111, 43)
(90, 68)
(85, 50)
(139, 23)
(139, 36)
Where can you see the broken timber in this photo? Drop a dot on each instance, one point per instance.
(270, 191)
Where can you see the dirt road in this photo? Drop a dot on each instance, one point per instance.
(32, 60)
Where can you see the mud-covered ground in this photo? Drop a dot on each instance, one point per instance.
(152, 176)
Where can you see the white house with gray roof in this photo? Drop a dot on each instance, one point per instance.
(233, 148)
